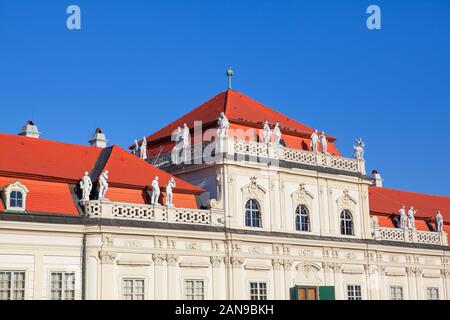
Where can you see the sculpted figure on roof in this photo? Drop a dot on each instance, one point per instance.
(136, 147)
(403, 218)
(103, 185)
(267, 133)
(86, 186)
(186, 140)
(176, 136)
(155, 190)
(411, 220)
(358, 149)
(223, 125)
(439, 221)
(169, 192)
(314, 141)
(324, 143)
(277, 134)
(143, 150)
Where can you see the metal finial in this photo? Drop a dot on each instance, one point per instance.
(229, 75)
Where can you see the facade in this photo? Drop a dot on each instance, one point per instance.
(260, 210)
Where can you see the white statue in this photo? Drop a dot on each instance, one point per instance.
(169, 192)
(358, 149)
(136, 148)
(178, 146)
(103, 185)
(314, 141)
(223, 126)
(186, 140)
(403, 218)
(143, 154)
(86, 186)
(439, 221)
(324, 143)
(267, 133)
(411, 220)
(155, 190)
(277, 134)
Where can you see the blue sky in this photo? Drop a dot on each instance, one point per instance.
(136, 65)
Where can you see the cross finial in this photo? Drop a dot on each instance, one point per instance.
(229, 75)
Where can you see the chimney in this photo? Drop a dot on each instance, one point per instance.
(30, 130)
(378, 182)
(98, 139)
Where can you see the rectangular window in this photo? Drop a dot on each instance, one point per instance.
(258, 291)
(194, 289)
(62, 285)
(354, 292)
(433, 293)
(133, 289)
(12, 285)
(396, 293)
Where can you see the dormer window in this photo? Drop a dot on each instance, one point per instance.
(15, 196)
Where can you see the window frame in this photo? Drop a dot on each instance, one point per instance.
(12, 288)
(134, 280)
(194, 294)
(352, 292)
(298, 216)
(258, 294)
(343, 223)
(436, 293)
(393, 294)
(64, 288)
(251, 211)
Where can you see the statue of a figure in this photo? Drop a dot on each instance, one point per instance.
(223, 125)
(169, 192)
(411, 220)
(144, 149)
(267, 133)
(103, 185)
(86, 186)
(314, 141)
(155, 190)
(358, 149)
(176, 136)
(277, 134)
(324, 143)
(402, 217)
(186, 140)
(136, 148)
(439, 221)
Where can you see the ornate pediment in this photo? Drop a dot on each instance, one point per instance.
(302, 196)
(345, 201)
(253, 190)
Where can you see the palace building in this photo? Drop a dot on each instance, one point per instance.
(247, 204)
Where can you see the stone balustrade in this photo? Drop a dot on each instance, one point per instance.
(410, 235)
(157, 213)
(255, 151)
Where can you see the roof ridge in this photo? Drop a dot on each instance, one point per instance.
(412, 192)
(37, 140)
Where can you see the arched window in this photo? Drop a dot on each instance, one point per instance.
(16, 199)
(302, 218)
(252, 214)
(346, 223)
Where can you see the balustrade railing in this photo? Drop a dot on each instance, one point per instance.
(410, 235)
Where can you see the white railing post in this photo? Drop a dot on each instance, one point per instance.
(443, 238)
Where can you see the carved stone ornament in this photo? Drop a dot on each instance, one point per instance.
(159, 259)
(287, 264)
(256, 250)
(346, 202)
(193, 246)
(107, 240)
(236, 262)
(277, 263)
(172, 259)
(302, 196)
(107, 257)
(216, 261)
(253, 191)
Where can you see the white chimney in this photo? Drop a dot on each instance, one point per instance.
(378, 182)
(98, 139)
(30, 130)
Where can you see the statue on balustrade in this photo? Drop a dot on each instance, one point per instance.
(314, 141)
(176, 136)
(358, 149)
(411, 219)
(136, 148)
(86, 186)
(402, 217)
(143, 154)
(155, 191)
(267, 133)
(186, 141)
(324, 143)
(439, 221)
(169, 191)
(277, 134)
(223, 126)
(103, 185)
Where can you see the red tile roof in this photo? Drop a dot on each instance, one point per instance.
(48, 168)
(389, 201)
(241, 111)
